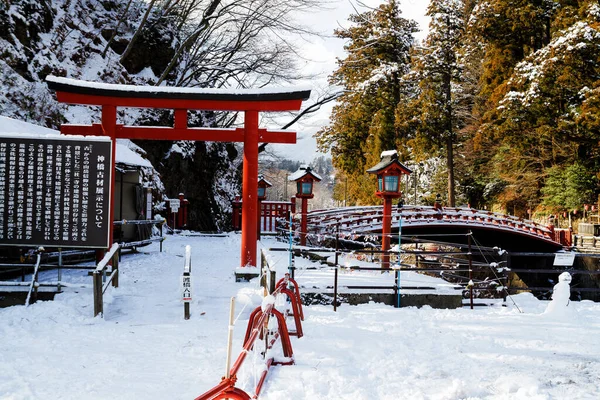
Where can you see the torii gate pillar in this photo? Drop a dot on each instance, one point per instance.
(250, 190)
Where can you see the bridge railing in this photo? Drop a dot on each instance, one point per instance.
(366, 219)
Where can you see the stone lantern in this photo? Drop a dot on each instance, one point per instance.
(304, 179)
(389, 172)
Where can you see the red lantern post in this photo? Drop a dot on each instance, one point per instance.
(389, 172)
(304, 179)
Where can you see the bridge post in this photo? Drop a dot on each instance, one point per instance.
(304, 222)
(386, 230)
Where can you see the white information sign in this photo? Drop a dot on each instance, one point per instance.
(186, 286)
(174, 204)
(564, 259)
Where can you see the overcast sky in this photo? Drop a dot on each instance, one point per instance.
(321, 54)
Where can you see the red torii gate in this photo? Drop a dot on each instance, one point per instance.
(251, 102)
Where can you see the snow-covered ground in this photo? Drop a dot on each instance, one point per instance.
(144, 349)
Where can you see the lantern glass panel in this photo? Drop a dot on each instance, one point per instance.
(379, 183)
(261, 192)
(306, 187)
(391, 183)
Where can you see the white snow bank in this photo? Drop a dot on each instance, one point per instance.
(144, 349)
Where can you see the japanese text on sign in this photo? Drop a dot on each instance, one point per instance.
(54, 192)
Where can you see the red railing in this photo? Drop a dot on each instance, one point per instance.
(258, 320)
(369, 219)
(270, 211)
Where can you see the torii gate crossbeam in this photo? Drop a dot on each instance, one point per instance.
(251, 102)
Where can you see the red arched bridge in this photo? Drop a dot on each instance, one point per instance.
(441, 224)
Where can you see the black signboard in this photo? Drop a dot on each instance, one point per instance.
(55, 191)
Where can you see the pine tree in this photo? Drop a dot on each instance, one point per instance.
(437, 69)
(362, 123)
(546, 118)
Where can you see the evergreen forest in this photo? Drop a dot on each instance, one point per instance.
(498, 108)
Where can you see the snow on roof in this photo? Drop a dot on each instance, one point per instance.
(127, 156)
(171, 90)
(26, 130)
(262, 178)
(302, 171)
(388, 158)
(10, 125)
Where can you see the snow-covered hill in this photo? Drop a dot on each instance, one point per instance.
(89, 40)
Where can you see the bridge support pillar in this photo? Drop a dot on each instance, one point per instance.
(386, 230)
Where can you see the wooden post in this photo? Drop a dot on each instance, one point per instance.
(115, 267)
(264, 268)
(187, 283)
(386, 229)
(273, 281)
(109, 126)
(249, 190)
(98, 303)
(229, 337)
(335, 287)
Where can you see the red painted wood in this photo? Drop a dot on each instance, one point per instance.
(168, 133)
(386, 230)
(303, 221)
(250, 190)
(217, 105)
(109, 122)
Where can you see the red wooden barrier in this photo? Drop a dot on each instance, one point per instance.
(269, 212)
(258, 319)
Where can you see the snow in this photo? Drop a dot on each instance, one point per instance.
(302, 171)
(165, 89)
(388, 153)
(144, 348)
(23, 129)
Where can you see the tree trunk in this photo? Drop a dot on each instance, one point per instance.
(450, 165)
(137, 32)
(449, 138)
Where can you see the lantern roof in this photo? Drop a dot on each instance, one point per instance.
(388, 160)
(262, 179)
(304, 171)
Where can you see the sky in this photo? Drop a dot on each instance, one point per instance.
(321, 54)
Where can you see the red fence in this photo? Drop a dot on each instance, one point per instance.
(270, 211)
(256, 330)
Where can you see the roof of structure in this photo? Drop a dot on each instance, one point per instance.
(179, 93)
(388, 158)
(303, 171)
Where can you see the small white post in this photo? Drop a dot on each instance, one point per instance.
(186, 282)
(229, 337)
